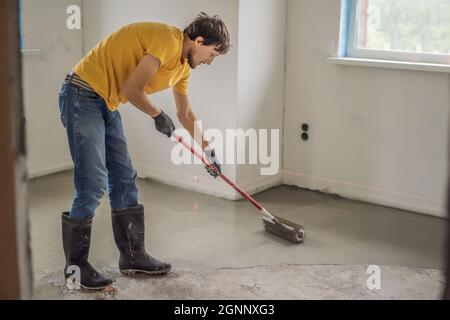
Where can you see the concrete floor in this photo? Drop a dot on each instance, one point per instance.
(202, 235)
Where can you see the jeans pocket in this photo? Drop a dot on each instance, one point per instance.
(87, 94)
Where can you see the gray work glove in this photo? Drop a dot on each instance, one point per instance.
(210, 156)
(164, 124)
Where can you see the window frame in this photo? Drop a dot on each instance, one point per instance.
(348, 43)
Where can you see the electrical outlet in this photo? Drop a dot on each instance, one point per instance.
(305, 127)
(305, 130)
(305, 136)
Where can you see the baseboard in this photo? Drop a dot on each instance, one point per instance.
(203, 185)
(36, 173)
(185, 181)
(207, 186)
(367, 194)
(262, 183)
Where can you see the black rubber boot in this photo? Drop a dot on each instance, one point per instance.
(76, 241)
(129, 230)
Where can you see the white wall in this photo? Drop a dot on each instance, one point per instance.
(44, 28)
(377, 135)
(261, 63)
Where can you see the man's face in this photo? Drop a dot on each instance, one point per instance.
(201, 54)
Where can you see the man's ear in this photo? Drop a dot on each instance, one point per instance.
(199, 40)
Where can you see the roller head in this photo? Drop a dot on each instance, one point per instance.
(286, 229)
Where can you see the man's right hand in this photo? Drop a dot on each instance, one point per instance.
(210, 156)
(164, 124)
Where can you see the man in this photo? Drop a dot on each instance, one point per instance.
(130, 64)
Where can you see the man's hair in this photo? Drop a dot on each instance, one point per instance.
(212, 29)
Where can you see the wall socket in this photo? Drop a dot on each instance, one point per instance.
(305, 130)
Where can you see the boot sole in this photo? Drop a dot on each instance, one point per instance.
(132, 272)
(93, 288)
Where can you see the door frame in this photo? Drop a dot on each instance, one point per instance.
(15, 252)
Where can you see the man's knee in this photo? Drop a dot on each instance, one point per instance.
(96, 187)
(123, 179)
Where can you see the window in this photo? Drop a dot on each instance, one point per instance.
(404, 30)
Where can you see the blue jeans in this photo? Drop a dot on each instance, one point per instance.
(99, 152)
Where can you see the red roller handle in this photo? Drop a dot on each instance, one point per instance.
(224, 177)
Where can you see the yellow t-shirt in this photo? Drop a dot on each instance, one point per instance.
(108, 65)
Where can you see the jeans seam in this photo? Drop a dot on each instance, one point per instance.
(80, 158)
(118, 185)
(113, 119)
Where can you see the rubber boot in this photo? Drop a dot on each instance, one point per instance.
(76, 242)
(129, 230)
